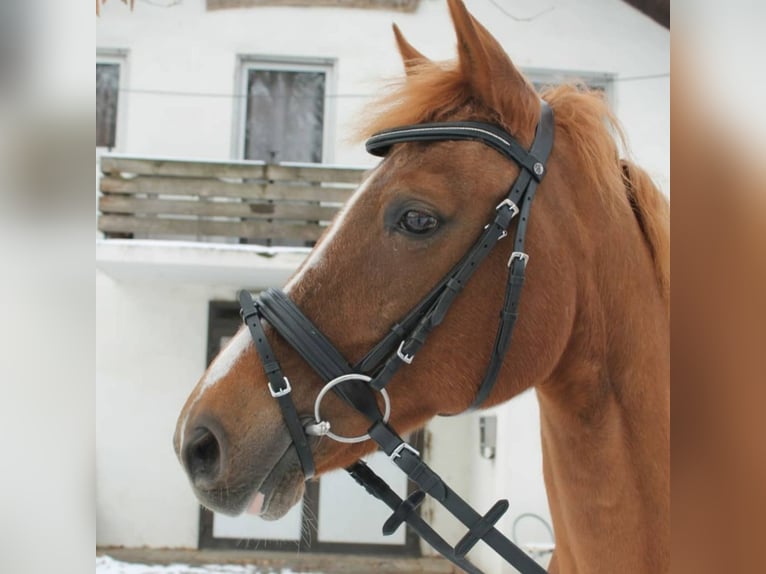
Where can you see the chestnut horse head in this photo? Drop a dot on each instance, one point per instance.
(591, 336)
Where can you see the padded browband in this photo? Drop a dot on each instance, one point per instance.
(493, 136)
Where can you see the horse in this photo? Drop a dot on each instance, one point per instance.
(592, 336)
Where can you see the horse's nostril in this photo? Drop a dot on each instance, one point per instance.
(202, 456)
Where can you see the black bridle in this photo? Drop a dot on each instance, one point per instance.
(402, 343)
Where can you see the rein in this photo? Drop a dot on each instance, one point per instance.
(400, 346)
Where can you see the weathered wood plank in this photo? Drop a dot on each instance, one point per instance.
(233, 170)
(216, 188)
(295, 211)
(401, 5)
(250, 229)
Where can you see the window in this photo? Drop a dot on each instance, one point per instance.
(107, 95)
(285, 111)
(110, 77)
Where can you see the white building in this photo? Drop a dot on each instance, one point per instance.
(184, 70)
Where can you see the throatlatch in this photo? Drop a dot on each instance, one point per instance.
(400, 346)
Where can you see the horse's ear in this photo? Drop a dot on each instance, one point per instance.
(488, 69)
(410, 56)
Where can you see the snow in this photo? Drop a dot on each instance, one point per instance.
(108, 565)
(268, 251)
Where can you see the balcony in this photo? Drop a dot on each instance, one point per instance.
(204, 221)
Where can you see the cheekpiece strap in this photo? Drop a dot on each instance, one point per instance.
(279, 386)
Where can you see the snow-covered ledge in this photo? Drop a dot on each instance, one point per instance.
(201, 263)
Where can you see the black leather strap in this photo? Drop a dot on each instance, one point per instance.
(402, 512)
(317, 350)
(480, 527)
(493, 136)
(517, 265)
(378, 488)
(279, 386)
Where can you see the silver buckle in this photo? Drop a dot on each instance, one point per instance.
(398, 451)
(510, 205)
(283, 392)
(403, 356)
(518, 255)
(317, 429)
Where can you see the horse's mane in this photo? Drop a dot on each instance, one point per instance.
(438, 92)
(432, 92)
(585, 117)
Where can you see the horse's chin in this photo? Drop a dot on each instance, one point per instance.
(270, 495)
(279, 500)
(282, 488)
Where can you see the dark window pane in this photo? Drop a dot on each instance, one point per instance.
(285, 115)
(107, 92)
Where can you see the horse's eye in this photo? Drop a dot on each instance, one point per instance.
(418, 222)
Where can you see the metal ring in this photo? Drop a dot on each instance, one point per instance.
(336, 381)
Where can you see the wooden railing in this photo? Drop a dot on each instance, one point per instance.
(247, 201)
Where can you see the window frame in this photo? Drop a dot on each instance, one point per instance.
(555, 76)
(117, 56)
(247, 62)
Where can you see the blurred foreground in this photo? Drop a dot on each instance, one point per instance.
(718, 132)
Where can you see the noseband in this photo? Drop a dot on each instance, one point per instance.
(400, 346)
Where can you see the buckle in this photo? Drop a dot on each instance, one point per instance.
(281, 392)
(402, 355)
(317, 429)
(510, 205)
(398, 451)
(518, 255)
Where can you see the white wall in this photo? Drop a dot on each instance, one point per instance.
(150, 350)
(151, 347)
(151, 332)
(186, 53)
(135, 383)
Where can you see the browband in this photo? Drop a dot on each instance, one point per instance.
(489, 134)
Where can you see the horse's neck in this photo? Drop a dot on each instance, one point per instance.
(605, 433)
